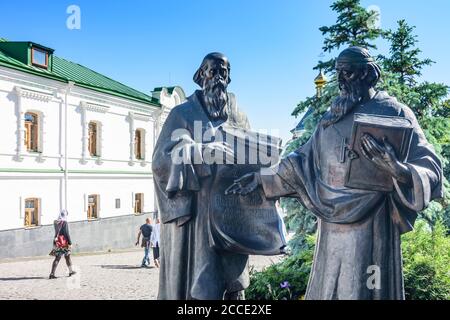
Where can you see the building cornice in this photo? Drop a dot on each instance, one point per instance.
(94, 107)
(58, 79)
(55, 88)
(140, 116)
(44, 96)
(105, 100)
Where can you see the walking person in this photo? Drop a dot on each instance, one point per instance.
(146, 231)
(61, 244)
(154, 241)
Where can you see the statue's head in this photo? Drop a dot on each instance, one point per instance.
(356, 70)
(213, 76)
(214, 70)
(357, 74)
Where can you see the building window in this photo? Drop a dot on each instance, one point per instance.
(93, 203)
(138, 203)
(32, 132)
(139, 144)
(117, 203)
(39, 58)
(32, 209)
(93, 139)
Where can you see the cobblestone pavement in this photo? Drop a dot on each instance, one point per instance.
(99, 276)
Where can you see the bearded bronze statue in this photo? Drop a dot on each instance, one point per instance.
(358, 251)
(190, 267)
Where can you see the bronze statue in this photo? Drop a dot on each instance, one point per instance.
(190, 267)
(358, 253)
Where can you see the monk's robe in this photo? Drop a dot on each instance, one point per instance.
(190, 267)
(358, 253)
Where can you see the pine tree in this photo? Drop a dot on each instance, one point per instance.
(404, 59)
(354, 27)
(402, 70)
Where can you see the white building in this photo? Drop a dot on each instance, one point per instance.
(75, 139)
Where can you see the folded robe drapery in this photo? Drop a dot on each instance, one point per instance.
(192, 268)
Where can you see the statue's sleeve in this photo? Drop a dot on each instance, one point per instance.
(426, 171)
(283, 179)
(276, 181)
(177, 167)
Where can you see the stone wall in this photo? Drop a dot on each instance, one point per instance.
(87, 236)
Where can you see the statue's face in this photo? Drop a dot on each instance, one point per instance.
(215, 75)
(351, 91)
(346, 75)
(354, 85)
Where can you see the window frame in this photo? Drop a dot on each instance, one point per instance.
(97, 145)
(32, 130)
(139, 146)
(36, 213)
(90, 217)
(141, 203)
(36, 63)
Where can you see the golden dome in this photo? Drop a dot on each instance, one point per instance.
(321, 79)
(320, 82)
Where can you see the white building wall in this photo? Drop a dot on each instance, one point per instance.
(109, 189)
(115, 175)
(8, 127)
(15, 190)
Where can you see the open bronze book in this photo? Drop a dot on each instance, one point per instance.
(245, 224)
(361, 172)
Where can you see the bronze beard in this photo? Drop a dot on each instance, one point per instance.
(351, 94)
(215, 98)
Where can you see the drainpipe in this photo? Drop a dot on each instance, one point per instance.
(156, 130)
(69, 87)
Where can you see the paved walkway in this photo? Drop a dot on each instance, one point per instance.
(100, 276)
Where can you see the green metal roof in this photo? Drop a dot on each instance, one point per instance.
(65, 71)
(169, 89)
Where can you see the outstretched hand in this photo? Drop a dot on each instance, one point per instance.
(245, 184)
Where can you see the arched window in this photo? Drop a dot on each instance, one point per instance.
(32, 209)
(93, 143)
(32, 131)
(139, 144)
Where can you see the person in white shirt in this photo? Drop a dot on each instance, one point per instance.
(154, 242)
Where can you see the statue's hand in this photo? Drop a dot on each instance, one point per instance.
(245, 184)
(384, 157)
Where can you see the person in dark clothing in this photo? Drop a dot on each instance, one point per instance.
(146, 231)
(61, 244)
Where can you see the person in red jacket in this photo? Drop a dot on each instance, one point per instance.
(61, 244)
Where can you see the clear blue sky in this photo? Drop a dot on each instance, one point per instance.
(272, 44)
